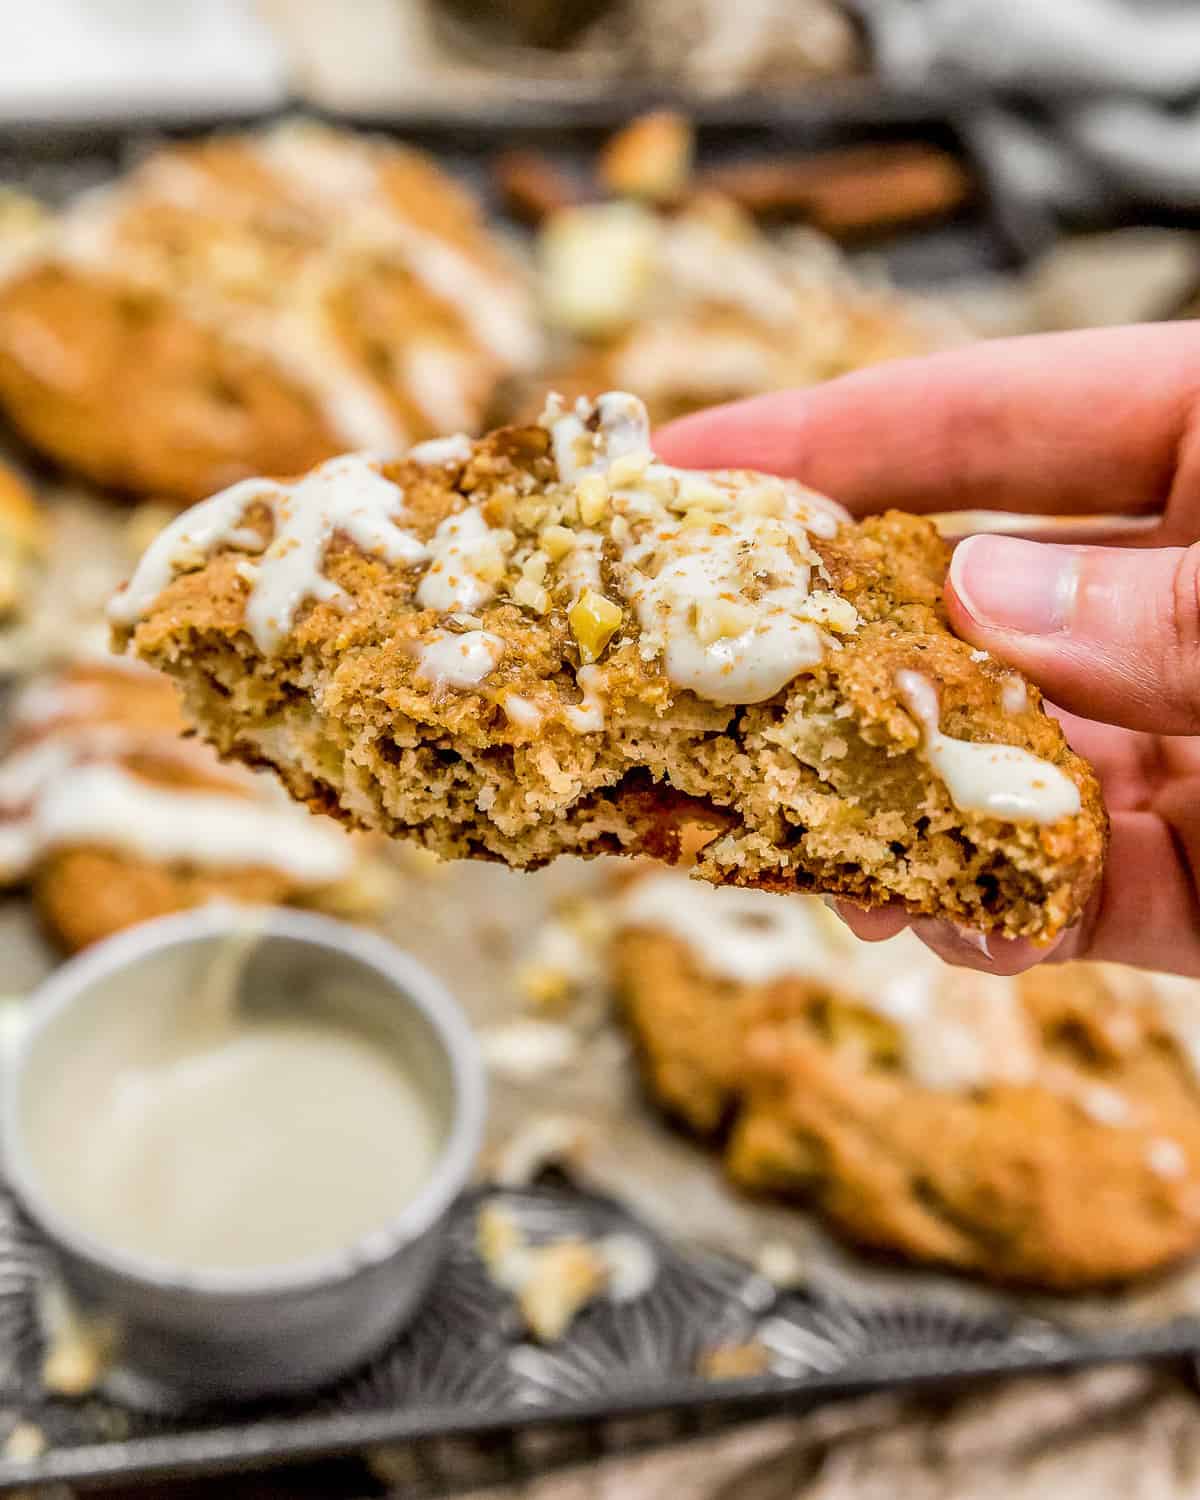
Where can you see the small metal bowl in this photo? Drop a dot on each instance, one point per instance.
(186, 1335)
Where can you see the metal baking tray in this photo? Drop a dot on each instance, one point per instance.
(993, 231)
(464, 1370)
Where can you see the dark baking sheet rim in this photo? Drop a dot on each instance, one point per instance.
(840, 103)
(231, 1449)
(810, 120)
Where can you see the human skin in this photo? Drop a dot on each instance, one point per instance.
(1100, 424)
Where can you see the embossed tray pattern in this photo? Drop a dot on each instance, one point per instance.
(466, 1369)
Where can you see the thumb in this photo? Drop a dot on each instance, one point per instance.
(1106, 632)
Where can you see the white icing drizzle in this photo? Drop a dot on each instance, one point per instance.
(728, 603)
(1166, 1158)
(1176, 999)
(996, 781)
(29, 770)
(588, 716)
(710, 266)
(521, 711)
(959, 1030)
(103, 804)
(346, 494)
(342, 171)
(719, 567)
(462, 661)
(186, 542)
(302, 343)
(662, 357)
(69, 785)
(735, 934)
(441, 382)
(47, 699)
(294, 330)
(580, 569)
(466, 559)
(622, 429)
(341, 207)
(1107, 1106)
(682, 580)
(1014, 696)
(447, 450)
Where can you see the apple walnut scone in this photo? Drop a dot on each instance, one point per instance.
(1043, 1130)
(548, 642)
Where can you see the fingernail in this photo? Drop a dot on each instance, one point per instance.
(1008, 584)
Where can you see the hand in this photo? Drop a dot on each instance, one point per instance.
(1090, 425)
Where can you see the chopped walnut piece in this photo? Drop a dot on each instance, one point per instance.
(734, 1361)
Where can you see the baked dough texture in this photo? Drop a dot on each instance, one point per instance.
(547, 642)
(112, 818)
(255, 303)
(700, 307)
(1042, 1131)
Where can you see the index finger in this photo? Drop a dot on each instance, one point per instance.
(1053, 424)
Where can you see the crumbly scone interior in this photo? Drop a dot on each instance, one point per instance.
(548, 642)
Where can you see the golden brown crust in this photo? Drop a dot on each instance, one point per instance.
(1016, 1182)
(22, 542)
(84, 895)
(85, 892)
(823, 786)
(222, 315)
(140, 397)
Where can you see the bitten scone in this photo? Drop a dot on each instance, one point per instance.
(113, 818)
(701, 307)
(1042, 1130)
(548, 642)
(254, 304)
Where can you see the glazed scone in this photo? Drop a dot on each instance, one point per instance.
(548, 642)
(22, 541)
(701, 307)
(254, 304)
(1042, 1130)
(112, 818)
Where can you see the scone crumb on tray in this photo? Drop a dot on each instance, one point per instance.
(418, 651)
(734, 1361)
(539, 1143)
(80, 1347)
(552, 1282)
(528, 1047)
(565, 957)
(781, 1264)
(24, 1442)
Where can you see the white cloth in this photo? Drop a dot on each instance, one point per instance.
(1110, 89)
(64, 60)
